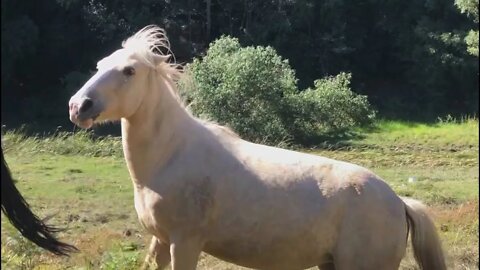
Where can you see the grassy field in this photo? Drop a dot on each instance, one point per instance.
(83, 184)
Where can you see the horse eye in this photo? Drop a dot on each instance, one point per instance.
(128, 71)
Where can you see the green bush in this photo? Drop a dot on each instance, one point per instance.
(254, 91)
(243, 88)
(330, 107)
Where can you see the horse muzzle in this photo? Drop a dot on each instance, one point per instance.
(83, 112)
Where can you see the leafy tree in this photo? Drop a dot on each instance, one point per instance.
(470, 7)
(413, 59)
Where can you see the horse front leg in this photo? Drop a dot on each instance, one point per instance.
(158, 255)
(185, 252)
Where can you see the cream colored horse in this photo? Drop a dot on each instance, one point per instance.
(199, 187)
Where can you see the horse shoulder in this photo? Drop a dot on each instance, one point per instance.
(186, 185)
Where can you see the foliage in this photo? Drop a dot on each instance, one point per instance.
(413, 59)
(244, 88)
(470, 7)
(330, 107)
(254, 91)
(472, 42)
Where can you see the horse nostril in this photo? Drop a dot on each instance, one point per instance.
(86, 105)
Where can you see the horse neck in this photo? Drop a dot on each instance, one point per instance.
(153, 133)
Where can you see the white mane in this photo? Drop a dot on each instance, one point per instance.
(147, 42)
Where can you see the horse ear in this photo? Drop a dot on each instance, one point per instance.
(158, 58)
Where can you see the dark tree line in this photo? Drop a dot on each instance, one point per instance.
(409, 57)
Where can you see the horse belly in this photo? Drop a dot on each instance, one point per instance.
(255, 251)
(286, 237)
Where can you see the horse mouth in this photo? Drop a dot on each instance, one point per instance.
(86, 123)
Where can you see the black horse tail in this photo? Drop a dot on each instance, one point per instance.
(30, 226)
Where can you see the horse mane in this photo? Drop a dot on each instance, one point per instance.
(25, 221)
(150, 41)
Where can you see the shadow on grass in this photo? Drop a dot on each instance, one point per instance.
(332, 141)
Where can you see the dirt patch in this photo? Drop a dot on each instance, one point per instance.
(102, 218)
(465, 214)
(458, 229)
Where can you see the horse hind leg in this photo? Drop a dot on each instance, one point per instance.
(385, 254)
(158, 255)
(378, 243)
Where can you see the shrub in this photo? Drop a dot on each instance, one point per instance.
(254, 91)
(330, 107)
(243, 88)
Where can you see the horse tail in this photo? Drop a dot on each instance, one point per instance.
(30, 226)
(427, 248)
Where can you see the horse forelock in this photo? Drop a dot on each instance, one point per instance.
(147, 42)
(150, 41)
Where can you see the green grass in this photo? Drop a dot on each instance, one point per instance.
(83, 184)
(62, 143)
(450, 135)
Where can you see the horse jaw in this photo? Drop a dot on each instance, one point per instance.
(85, 124)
